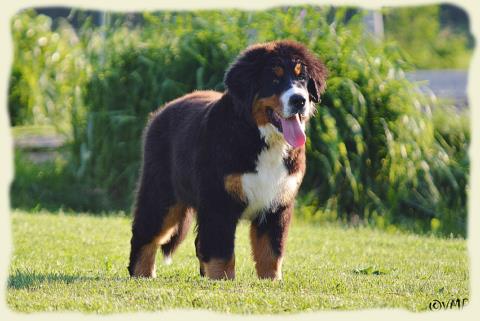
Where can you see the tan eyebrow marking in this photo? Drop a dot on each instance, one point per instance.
(298, 69)
(278, 71)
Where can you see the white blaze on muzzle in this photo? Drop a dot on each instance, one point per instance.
(293, 129)
(285, 99)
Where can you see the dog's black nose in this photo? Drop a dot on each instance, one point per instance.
(297, 102)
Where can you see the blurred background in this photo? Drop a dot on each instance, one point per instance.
(388, 147)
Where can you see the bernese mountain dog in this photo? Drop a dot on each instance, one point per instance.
(228, 156)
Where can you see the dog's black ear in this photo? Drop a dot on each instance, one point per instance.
(317, 73)
(313, 91)
(243, 77)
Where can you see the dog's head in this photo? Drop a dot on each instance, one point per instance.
(276, 86)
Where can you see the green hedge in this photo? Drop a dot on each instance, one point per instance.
(374, 150)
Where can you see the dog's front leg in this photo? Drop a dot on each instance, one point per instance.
(215, 244)
(268, 235)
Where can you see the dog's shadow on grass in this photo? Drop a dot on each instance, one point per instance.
(29, 280)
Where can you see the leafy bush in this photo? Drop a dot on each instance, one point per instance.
(143, 72)
(375, 152)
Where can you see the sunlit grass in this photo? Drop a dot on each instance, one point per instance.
(78, 263)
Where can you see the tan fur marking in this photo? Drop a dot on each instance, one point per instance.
(267, 264)
(278, 71)
(260, 108)
(145, 265)
(297, 70)
(233, 185)
(218, 269)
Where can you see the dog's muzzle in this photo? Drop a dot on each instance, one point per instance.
(295, 101)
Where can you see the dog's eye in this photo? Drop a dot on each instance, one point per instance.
(278, 73)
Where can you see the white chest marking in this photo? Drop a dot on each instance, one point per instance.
(271, 185)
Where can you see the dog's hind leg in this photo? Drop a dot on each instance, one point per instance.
(183, 226)
(157, 218)
(145, 241)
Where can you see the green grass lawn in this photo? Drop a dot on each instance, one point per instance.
(78, 263)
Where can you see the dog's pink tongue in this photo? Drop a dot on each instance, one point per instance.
(292, 131)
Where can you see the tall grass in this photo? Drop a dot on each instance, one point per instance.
(48, 73)
(375, 152)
